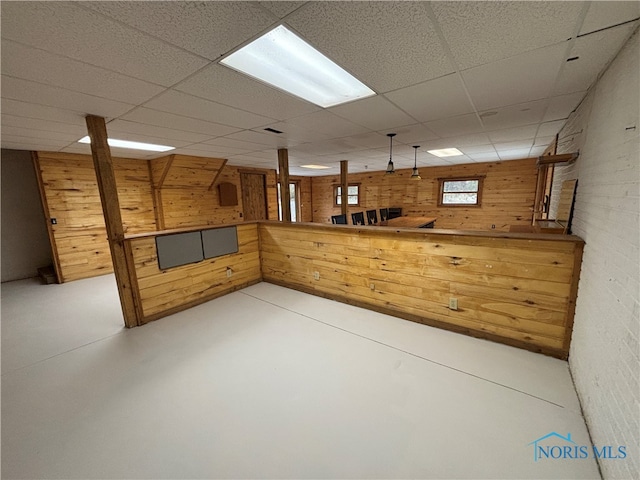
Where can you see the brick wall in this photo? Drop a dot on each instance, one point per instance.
(604, 357)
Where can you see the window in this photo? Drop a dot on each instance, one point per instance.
(460, 191)
(294, 201)
(353, 193)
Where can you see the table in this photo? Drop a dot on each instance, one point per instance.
(410, 222)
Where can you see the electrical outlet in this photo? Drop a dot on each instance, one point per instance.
(493, 226)
(229, 272)
(54, 221)
(372, 286)
(316, 275)
(453, 303)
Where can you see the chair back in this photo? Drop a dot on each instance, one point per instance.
(357, 218)
(384, 214)
(372, 217)
(339, 219)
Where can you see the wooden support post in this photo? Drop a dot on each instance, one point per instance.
(105, 176)
(344, 186)
(283, 178)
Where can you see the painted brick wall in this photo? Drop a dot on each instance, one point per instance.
(604, 357)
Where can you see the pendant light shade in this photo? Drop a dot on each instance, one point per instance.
(415, 175)
(390, 168)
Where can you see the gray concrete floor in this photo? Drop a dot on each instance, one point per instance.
(267, 383)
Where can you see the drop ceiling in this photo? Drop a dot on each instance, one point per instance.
(490, 78)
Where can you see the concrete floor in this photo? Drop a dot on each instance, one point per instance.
(267, 383)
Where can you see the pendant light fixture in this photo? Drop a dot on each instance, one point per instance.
(415, 175)
(390, 168)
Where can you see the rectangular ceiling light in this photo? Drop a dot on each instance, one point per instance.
(151, 147)
(282, 59)
(446, 152)
(315, 167)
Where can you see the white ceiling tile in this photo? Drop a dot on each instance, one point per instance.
(460, 125)
(433, 100)
(376, 113)
(42, 112)
(73, 31)
(514, 154)
(550, 128)
(38, 125)
(168, 134)
(177, 122)
(528, 76)
(606, 14)
(483, 32)
(516, 145)
(595, 51)
(411, 134)
(477, 149)
(210, 29)
(32, 143)
(27, 91)
(384, 44)
(43, 67)
(8, 131)
(281, 8)
(325, 123)
(511, 134)
(214, 150)
(224, 85)
(366, 140)
(514, 115)
(466, 140)
(484, 156)
(541, 141)
(189, 106)
(560, 107)
(263, 138)
(231, 144)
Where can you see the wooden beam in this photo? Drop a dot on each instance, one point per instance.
(344, 186)
(283, 178)
(47, 217)
(165, 172)
(106, 179)
(215, 179)
(560, 158)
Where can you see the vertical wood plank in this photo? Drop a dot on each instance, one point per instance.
(283, 177)
(105, 176)
(344, 186)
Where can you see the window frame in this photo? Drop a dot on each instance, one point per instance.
(441, 192)
(335, 195)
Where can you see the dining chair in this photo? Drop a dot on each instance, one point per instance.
(339, 219)
(357, 218)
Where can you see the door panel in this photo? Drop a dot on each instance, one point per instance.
(254, 196)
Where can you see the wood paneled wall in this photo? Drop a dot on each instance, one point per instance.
(176, 191)
(162, 292)
(192, 200)
(68, 182)
(508, 194)
(513, 288)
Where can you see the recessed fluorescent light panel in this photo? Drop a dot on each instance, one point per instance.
(151, 147)
(282, 59)
(446, 152)
(315, 167)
